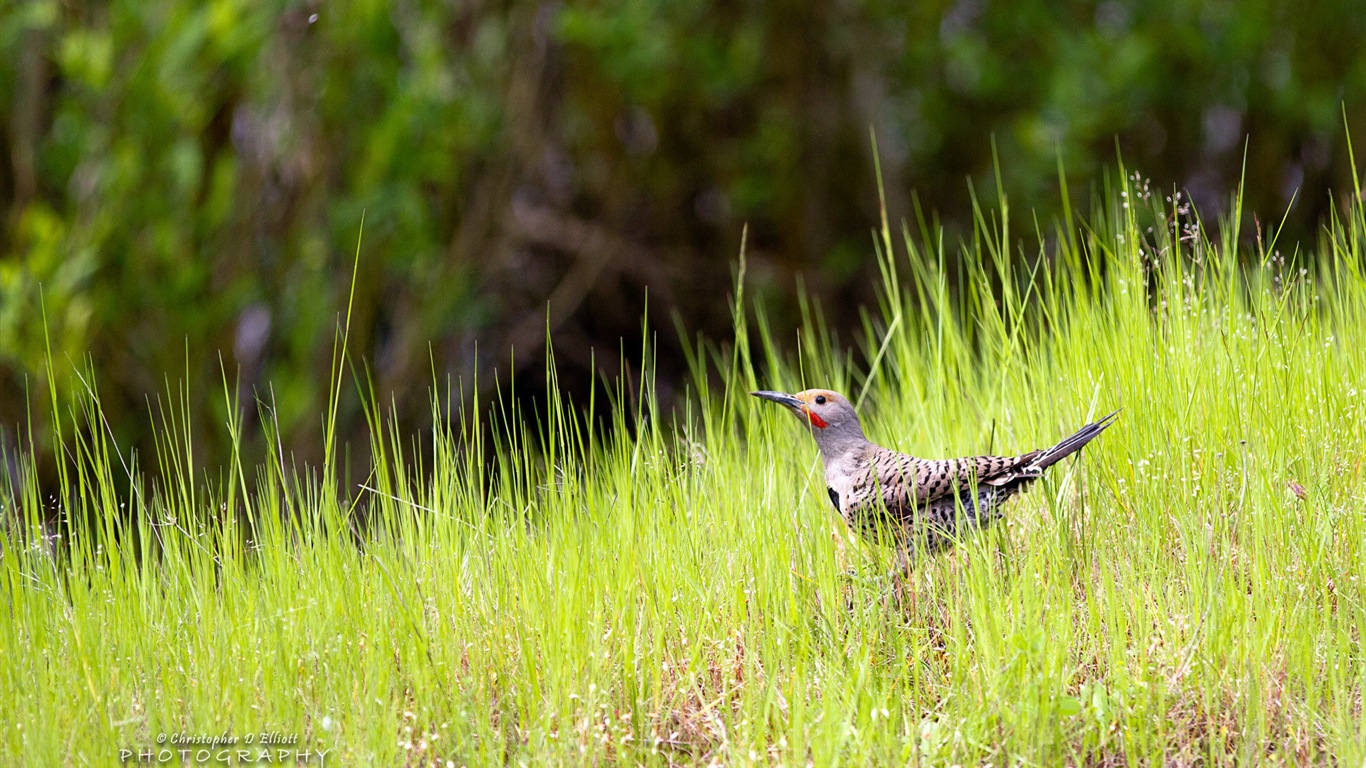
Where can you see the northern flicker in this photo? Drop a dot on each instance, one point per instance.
(921, 502)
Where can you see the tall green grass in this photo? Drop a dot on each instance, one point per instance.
(676, 589)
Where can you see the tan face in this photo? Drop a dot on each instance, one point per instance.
(821, 408)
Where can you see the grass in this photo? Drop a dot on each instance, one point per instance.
(1189, 591)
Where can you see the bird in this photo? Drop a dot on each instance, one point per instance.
(926, 505)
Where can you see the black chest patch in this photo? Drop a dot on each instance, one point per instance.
(834, 497)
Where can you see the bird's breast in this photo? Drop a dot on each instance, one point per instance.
(839, 484)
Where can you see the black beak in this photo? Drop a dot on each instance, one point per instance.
(781, 398)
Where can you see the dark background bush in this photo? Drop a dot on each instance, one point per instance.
(183, 182)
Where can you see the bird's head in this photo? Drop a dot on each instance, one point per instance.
(829, 415)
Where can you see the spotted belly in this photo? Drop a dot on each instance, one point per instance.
(933, 526)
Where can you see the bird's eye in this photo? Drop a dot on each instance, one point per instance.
(820, 399)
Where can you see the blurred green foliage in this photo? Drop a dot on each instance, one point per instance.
(184, 182)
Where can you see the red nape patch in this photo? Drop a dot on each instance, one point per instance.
(815, 420)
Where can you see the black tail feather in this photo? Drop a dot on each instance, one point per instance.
(1074, 443)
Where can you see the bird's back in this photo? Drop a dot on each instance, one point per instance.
(917, 499)
(928, 502)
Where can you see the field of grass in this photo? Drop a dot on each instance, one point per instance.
(1189, 590)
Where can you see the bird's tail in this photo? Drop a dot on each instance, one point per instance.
(1071, 445)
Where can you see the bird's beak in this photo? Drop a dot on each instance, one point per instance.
(781, 398)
